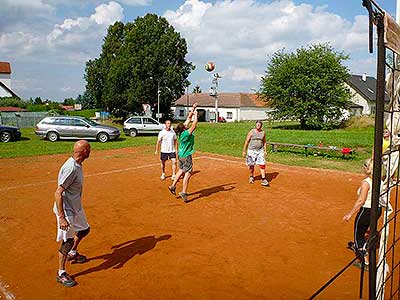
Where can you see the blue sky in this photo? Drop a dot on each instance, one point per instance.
(49, 41)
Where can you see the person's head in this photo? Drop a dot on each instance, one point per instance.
(368, 165)
(386, 133)
(180, 128)
(167, 124)
(81, 150)
(259, 125)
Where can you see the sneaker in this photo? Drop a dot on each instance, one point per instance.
(264, 182)
(65, 280)
(77, 258)
(173, 177)
(162, 177)
(172, 189)
(184, 197)
(251, 179)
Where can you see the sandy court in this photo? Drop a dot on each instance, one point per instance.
(233, 241)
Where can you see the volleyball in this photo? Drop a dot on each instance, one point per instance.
(210, 66)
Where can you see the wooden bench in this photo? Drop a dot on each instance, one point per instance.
(343, 151)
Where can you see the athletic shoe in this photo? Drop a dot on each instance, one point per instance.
(173, 177)
(162, 177)
(264, 182)
(77, 258)
(65, 280)
(184, 197)
(172, 189)
(251, 179)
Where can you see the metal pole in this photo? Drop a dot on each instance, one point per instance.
(187, 100)
(376, 179)
(398, 12)
(158, 100)
(216, 99)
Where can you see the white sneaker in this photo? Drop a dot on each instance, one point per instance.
(173, 177)
(162, 177)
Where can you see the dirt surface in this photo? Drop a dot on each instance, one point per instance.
(233, 241)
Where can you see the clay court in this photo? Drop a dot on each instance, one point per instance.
(233, 241)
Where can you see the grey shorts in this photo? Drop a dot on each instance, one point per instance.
(186, 164)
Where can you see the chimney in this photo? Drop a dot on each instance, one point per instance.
(364, 77)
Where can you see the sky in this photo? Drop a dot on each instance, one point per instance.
(48, 42)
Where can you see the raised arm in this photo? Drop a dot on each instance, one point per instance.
(360, 201)
(246, 143)
(194, 123)
(190, 115)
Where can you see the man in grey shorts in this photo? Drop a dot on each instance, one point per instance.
(254, 150)
(72, 225)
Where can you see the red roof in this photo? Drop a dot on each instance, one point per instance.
(11, 109)
(224, 100)
(5, 67)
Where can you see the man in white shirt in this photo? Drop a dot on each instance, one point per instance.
(167, 140)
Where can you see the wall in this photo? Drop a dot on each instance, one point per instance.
(358, 99)
(4, 93)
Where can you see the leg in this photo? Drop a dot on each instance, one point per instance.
(162, 169)
(186, 182)
(73, 253)
(173, 162)
(178, 175)
(361, 225)
(62, 276)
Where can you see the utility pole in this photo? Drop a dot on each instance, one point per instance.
(158, 100)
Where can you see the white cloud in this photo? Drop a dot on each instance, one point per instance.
(23, 42)
(240, 74)
(136, 2)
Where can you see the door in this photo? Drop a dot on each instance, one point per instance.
(151, 126)
(63, 127)
(81, 130)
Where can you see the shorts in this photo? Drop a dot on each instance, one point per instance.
(78, 222)
(186, 164)
(255, 157)
(166, 156)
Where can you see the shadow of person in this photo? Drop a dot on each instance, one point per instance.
(212, 190)
(268, 176)
(122, 253)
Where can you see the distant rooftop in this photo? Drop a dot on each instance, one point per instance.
(5, 67)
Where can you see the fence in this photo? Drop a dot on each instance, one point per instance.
(22, 119)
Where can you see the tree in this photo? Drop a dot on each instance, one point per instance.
(196, 90)
(307, 85)
(86, 101)
(69, 101)
(38, 101)
(137, 60)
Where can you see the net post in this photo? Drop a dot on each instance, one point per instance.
(376, 180)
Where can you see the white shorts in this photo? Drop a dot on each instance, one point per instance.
(77, 223)
(255, 157)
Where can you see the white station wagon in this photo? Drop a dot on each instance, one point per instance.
(139, 125)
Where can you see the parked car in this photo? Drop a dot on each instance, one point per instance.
(221, 119)
(9, 133)
(138, 125)
(54, 128)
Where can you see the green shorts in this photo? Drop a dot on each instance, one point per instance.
(186, 164)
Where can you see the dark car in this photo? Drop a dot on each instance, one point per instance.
(9, 133)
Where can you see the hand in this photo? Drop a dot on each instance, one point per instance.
(347, 217)
(244, 153)
(64, 225)
(156, 152)
(194, 106)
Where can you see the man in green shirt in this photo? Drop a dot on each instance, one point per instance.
(185, 151)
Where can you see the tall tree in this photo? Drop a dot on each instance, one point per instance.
(137, 61)
(307, 85)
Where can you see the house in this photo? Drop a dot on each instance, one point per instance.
(9, 109)
(5, 80)
(363, 94)
(231, 106)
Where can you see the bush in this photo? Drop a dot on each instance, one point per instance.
(10, 101)
(87, 113)
(359, 122)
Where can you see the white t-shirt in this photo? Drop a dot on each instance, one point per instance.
(167, 138)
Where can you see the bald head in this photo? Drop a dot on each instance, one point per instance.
(81, 150)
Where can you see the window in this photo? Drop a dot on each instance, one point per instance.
(371, 91)
(48, 121)
(181, 113)
(62, 121)
(77, 122)
(135, 121)
(149, 121)
(229, 115)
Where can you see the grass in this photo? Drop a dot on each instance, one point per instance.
(228, 139)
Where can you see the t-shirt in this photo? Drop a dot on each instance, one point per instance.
(70, 178)
(167, 138)
(186, 144)
(257, 140)
(385, 145)
(367, 203)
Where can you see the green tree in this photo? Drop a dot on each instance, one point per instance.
(38, 101)
(196, 90)
(11, 101)
(69, 101)
(86, 101)
(307, 85)
(137, 60)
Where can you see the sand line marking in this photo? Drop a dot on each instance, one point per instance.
(3, 290)
(99, 174)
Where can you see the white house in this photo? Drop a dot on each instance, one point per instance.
(5, 80)
(363, 94)
(231, 106)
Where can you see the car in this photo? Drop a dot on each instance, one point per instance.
(9, 133)
(139, 125)
(66, 127)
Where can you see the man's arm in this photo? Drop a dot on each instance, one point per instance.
(194, 124)
(157, 146)
(64, 225)
(246, 143)
(265, 143)
(189, 118)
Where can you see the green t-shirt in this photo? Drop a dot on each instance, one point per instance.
(186, 143)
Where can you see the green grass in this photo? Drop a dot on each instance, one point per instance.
(228, 139)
